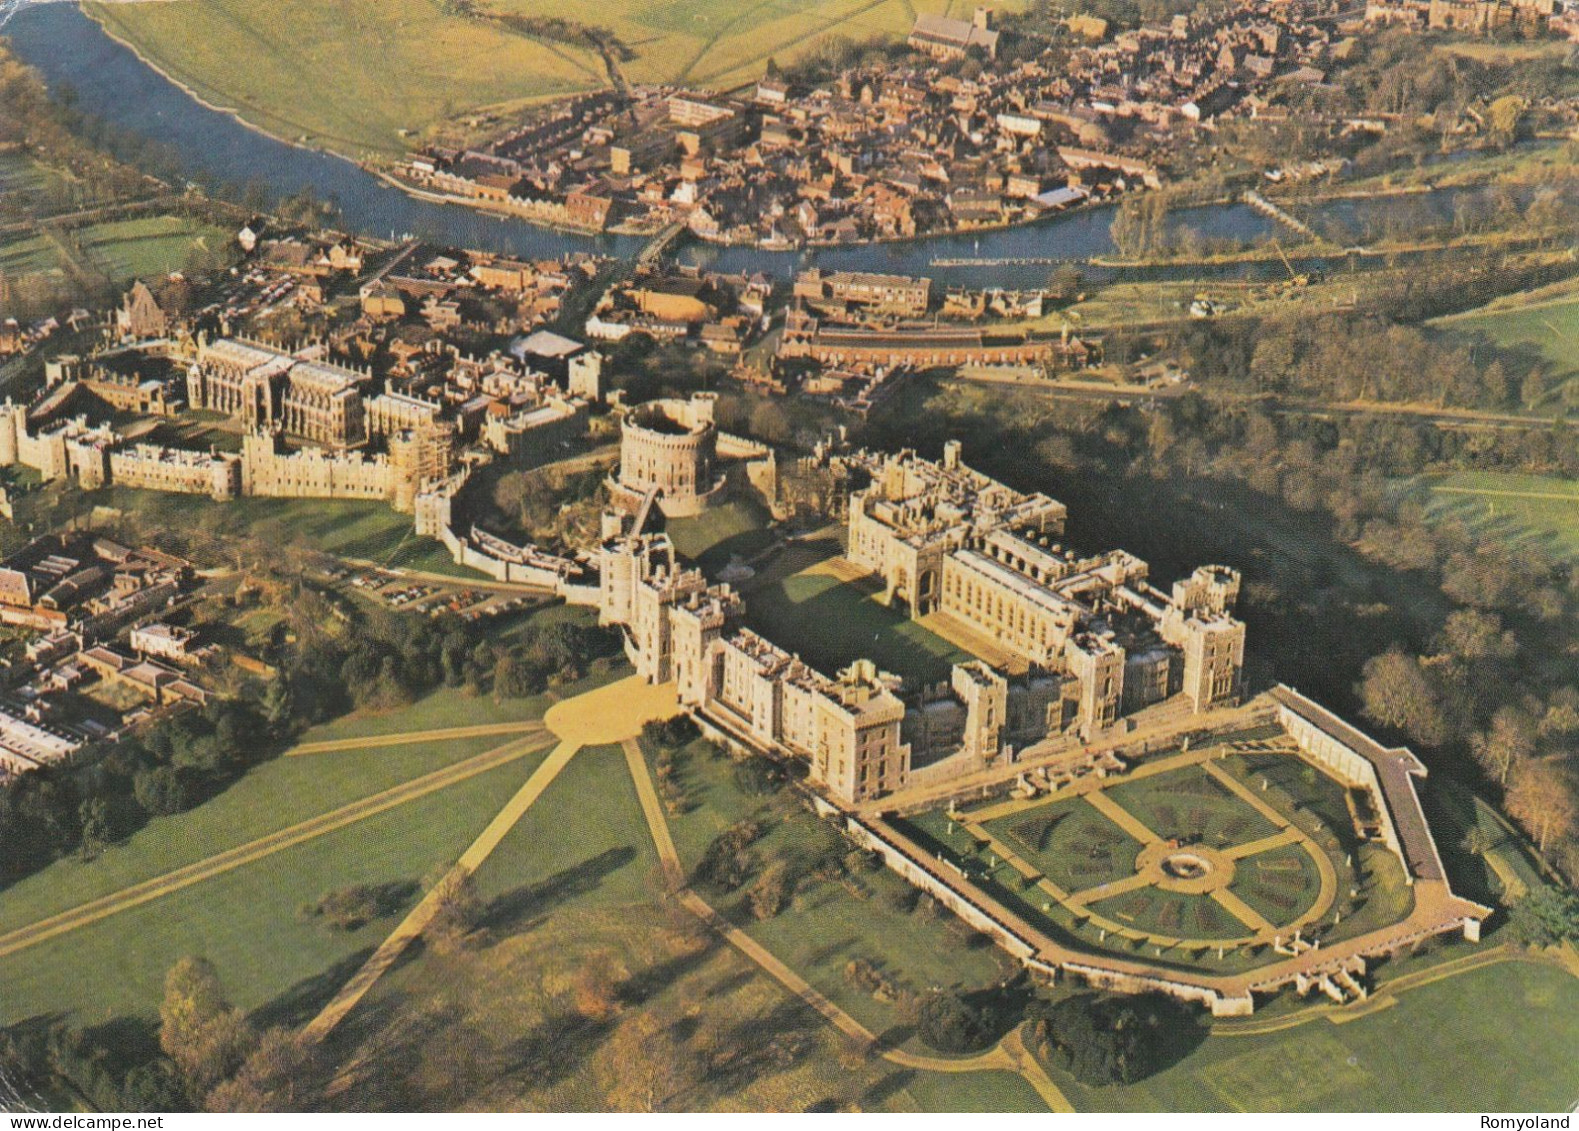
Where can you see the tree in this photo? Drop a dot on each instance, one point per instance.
(1504, 115)
(1474, 635)
(1397, 692)
(458, 912)
(199, 1030)
(1506, 744)
(1104, 1040)
(949, 1023)
(1541, 799)
(268, 1077)
(161, 791)
(1545, 916)
(94, 813)
(771, 893)
(515, 678)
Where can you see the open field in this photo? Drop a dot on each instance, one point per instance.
(286, 66)
(273, 796)
(1426, 1053)
(20, 173)
(582, 843)
(830, 623)
(121, 250)
(28, 255)
(1542, 325)
(681, 1020)
(247, 920)
(1530, 512)
(147, 247)
(421, 63)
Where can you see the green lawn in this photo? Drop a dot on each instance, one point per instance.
(829, 922)
(584, 842)
(712, 538)
(28, 255)
(1537, 513)
(1500, 1038)
(21, 173)
(442, 709)
(1280, 884)
(347, 76)
(247, 920)
(831, 623)
(276, 795)
(1171, 913)
(1546, 330)
(147, 247)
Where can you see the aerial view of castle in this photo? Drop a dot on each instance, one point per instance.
(903, 556)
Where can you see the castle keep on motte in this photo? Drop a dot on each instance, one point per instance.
(1084, 641)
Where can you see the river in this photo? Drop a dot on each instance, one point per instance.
(112, 83)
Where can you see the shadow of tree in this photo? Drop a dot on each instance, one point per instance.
(522, 908)
(302, 1002)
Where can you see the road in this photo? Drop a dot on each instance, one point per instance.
(422, 915)
(254, 850)
(406, 738)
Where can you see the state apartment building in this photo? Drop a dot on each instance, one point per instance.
(1077, 644)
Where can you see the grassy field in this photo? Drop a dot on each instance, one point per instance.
(831, 623)
(369, 531)
(275, 795)
(375, 68)
(346, 76)
(1542, 325)
(584, 843)
(20, 173)
(1427, 1053)
(147, 247)
(1534, 513)
(829, 922)
(505, 1023)
(247, 920)
(28, 255)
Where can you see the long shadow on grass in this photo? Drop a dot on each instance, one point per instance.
(759, 1046)
(524, 907)
(303, 1001)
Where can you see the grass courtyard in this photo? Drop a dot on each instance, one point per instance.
(719, 534)
(830, 622)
